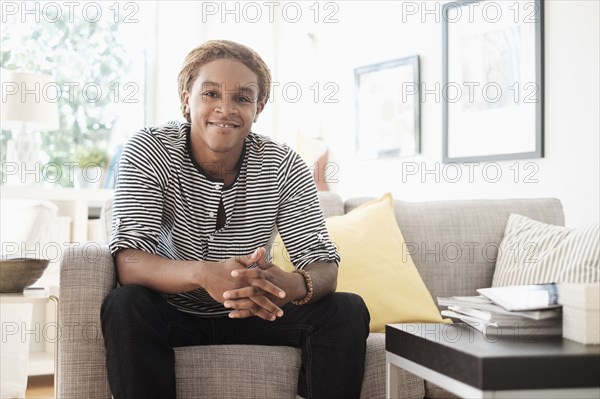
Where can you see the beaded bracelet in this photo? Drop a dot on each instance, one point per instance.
(309, 287)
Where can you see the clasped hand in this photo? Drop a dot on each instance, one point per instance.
(253, 292)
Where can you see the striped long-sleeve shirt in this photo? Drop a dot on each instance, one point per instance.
(165, 204)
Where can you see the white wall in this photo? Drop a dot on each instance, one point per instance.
(184, 25)
(371, 32)
(572, 166)
(177, 32)
(368, 34)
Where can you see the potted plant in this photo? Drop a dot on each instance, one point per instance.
(90, 166)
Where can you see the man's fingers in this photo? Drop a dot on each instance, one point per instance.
(253, 258)
(256, 278)
(256, 258)
(263, 314)
(262, 261)
(269, 287)
(240, 293)
(267, 305)
(255, 305)
(240, 314)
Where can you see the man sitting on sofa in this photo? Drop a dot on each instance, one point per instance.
(195, 205)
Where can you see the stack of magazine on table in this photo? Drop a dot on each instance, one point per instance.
(519, 310)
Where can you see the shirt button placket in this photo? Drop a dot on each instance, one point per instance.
(212, 214)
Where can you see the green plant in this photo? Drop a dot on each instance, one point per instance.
(92, 157)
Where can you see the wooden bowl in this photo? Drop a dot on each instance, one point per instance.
(20, 273)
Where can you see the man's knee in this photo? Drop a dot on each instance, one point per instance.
(127, 301)
(348, 308)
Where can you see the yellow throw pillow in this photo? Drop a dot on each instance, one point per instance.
(376, 265)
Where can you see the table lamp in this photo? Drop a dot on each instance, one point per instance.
(29, 105)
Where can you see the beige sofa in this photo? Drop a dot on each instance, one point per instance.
(453, 244)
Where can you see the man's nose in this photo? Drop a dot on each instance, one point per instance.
(227, 106)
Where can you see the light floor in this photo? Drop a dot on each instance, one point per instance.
(40, 387)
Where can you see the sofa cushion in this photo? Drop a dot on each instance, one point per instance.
(454, 243)
(532, 252)
(375, 264)
(213, 372)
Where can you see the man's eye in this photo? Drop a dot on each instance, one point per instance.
(244, 99)
(210, 93)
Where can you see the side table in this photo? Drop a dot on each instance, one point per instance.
(32, 296)
(465, 362)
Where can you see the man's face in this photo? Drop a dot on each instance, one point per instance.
(223, 105)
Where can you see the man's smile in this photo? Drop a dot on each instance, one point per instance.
(224, 124)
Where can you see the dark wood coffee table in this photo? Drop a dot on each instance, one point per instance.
(461, 360)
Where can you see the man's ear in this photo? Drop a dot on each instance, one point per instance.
(186, 100)
(259, 107)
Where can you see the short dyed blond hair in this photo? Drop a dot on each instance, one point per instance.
(222, 49)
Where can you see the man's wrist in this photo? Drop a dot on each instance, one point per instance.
(199, 273)
(308, 286)
(299, 286)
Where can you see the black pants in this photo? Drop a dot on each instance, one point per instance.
(140, 330)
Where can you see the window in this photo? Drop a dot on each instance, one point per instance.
(95, 54)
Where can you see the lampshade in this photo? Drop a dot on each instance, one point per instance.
(29, 99)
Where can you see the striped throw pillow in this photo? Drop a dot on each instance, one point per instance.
(532, 252)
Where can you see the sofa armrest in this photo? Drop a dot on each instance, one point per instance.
(87, 274)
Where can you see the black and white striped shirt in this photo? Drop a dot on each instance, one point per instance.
(165, 204)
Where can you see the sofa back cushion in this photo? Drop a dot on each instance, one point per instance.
(331, 203)
(454, 244)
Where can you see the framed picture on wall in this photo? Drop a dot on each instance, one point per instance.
(492, 90)
(387, 109)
